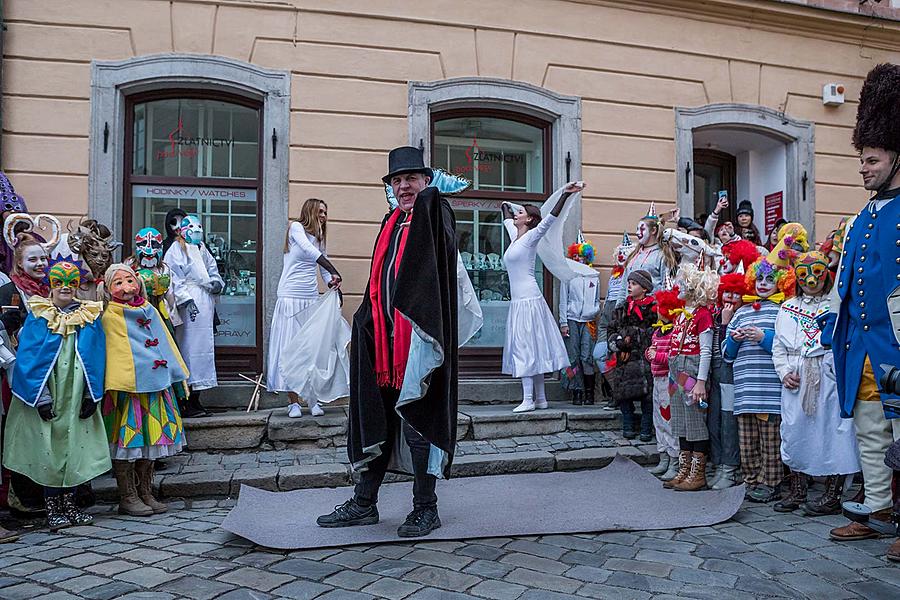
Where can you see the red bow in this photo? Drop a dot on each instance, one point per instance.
(143, 322)
(159, 363)
(151, 343)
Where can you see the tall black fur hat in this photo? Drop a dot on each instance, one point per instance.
(878, 115)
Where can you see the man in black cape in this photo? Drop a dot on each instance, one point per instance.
(403, 362)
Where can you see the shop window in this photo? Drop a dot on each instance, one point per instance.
(202, 155)
(505, 155)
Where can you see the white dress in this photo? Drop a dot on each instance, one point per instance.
(819, 443)
(194, 273)
(298, 289)
(533, 344)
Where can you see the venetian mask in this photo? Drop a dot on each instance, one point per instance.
(192, 230)
(124, 285)
(148, 247)
(64, 275)
(34, 261)
(812, 272)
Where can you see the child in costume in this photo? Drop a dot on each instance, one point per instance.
(667, 305)
(650, 256)
(724, 444)
(815, 440)
(579, 304)
(757, 387)
(629, 338)
(690, 357)
(196, 283)
(144, 370)
(54, 433)
(614, 290)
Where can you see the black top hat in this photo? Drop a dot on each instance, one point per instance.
(405, 159)
(745, 208)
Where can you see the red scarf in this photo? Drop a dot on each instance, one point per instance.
(388, 374)
(634, 306)
(617, 272)
(32, 287)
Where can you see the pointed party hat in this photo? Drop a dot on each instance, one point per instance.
(651, 212)
(626, 241)
(579, 239)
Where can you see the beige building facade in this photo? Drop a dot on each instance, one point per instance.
(240, 110)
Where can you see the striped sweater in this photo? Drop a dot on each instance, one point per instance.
(757, 388)
(658, 353)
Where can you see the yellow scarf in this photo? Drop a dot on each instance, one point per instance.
(777, 298)
(664, 327)
(64, 323)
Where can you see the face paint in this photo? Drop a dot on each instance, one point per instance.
(34, 261)
(643, 233)
(765, 284)
(732, 298)
(192, 230)
(64, 275)
(148, 247)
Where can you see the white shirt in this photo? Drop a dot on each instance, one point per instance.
(579, 299)
(298, 275)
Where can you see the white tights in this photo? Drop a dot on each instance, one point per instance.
(533, 388)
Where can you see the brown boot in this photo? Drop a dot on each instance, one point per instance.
(893, 553)
(129, 502)
(696, 479)
(684, 469)
(860, 531)
(797, 494)
(144, 471)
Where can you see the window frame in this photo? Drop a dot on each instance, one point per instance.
(230, 360)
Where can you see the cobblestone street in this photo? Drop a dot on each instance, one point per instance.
(184, 554)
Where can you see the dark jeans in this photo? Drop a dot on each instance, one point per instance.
(366, 491)
(723, 429)
(627, 408)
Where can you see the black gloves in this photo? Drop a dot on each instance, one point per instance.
(46, 411)
(88, 408)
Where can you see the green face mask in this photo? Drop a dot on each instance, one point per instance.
(64, 274)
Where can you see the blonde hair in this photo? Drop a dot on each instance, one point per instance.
(309, 220)
(700, 287)
(103, 286)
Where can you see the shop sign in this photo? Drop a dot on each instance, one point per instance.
(188, 147)
(473, 204)
(237, 321)
(774, 210)
(193, 193)
(484, 159)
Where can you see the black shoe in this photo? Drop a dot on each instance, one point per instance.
(349, 514)
(629, 434)
(193, 409)
(577, 398)
(646, 437)
(421, 521)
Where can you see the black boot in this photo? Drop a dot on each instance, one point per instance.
(829, 503)
(349, 514)
(193, 408)
(577, 398)
(796, 494)
(590, 382)
(646, 424)
(628, 431)
(421, 521)
(56, 518)
(75, 515)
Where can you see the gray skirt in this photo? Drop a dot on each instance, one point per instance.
(687, 421)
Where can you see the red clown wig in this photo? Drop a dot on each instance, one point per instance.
(667, 301)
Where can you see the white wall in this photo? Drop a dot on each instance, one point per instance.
(760, 173)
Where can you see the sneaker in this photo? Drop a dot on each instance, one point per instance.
(349, 514)
(316, 410)
(421, 521)
(294, 411)
(762, 493)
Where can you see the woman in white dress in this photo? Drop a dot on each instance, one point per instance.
(196, 283)
(534, 345)
(298, 289)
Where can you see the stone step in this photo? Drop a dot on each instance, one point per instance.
(273, 429)
(217, 482)
(232, 395)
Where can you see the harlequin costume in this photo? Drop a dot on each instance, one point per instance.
(815, 440)
(579, 305)
(140, 409)
(757, 387)
(54, 434)
(667, 306)
(864, 316)
(690, 357)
